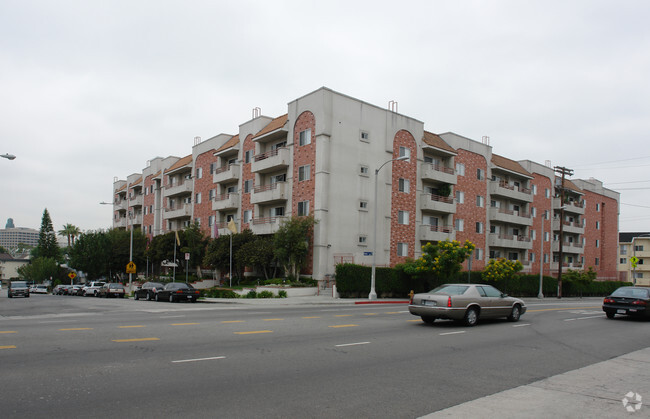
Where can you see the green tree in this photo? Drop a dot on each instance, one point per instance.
(70, 231)
(91, 253)
(501, 269)
(47, 246)
(218, 252)
(40, 269)
(581, 279)
(259, 254)
(443, 259)
(195, 243)
(3, 250)
(292, 241)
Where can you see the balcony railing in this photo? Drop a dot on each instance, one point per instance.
(443, 169)
(506, 185)
(513, 237)
(445, 199)
(266, 155)
(440, 228)
(523, 214)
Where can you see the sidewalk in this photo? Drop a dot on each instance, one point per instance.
(308, 300)
(595, 391)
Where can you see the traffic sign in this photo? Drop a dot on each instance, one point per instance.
(634, 260)
(72, 275)
(187, 256)
(130, 268)
(367, 253)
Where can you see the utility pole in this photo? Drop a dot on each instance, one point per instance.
(564, 172)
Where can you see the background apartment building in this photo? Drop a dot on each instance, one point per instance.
(320, 158)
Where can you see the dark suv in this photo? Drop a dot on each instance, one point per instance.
(18, 289)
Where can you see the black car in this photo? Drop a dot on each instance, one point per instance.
(629, 301)
(18, 289)
(148, 291)
(177, 291)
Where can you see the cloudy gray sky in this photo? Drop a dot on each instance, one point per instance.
(92, 90)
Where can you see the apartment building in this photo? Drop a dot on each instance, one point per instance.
(631, 246)
(323, 157)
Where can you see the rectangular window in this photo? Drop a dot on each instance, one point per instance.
(212, 194)
(363, 240)
(533, 234)
(248, 155)
(546, 236)
(638, 248)
(303, 208)
(624, 249)
(210, 220)
(199, 172)
(597, 225)
(305, 137)
(547, 193)
(531, 257)
(460, 169)
(460, 197)
(597, 262)
(213, 167)
(403, 217)
(480, 201)
(597, 243)
(534, 189)
(248, 214)
(197, 220)
(402, 249)
(303, 172)
(480, 175)
(404, 151)
(363, 170)
(248, 185)
(198, 198)
(622, 261)
(479, 228)
(478, 254)
(365, 136)
(460, 224)
(403, 185)
(533, 212)
(277, 212)
(363, 204)
(598, 207)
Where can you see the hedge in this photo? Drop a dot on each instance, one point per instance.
(353, 281)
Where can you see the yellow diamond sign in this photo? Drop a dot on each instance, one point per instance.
(130, 268)
(634, 260)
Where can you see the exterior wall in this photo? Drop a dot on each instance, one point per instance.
(304, 190)
(604, 211)
(203, 211)
(403, 201)
(468, 211)
(541, 204)
(246, 174)
(148, 203)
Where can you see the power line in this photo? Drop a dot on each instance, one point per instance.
(613, 161)
(632, 181)
(633, 205)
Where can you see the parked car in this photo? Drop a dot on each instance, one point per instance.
(92, 288)
(177, 291)
(148, 291)
(467, 303)
(58, 290)
(628, 301)
(38, 289)
(18, 289)
(111, 290)
(75, 289)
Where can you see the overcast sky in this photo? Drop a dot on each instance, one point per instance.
(92, 90)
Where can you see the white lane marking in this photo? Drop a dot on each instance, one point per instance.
(452, 333)
(405, 311)
(352, 344)
(198, 359)
(581, 318)
(521, 325)
(58, 321)
(171, 317)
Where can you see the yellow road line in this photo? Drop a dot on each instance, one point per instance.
(562, 309)
(135, 340)
(8, 347)
(312, 317)
(184, 324)
(343, 315)
(233, 321)
(129, 327)
(418, 320)
(76, 328)
(254, 332)
(7, 331)
(272, 320)
(343, 325)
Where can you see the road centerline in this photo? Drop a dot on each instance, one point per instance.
(198, 359)
(254, 332)
(135, 340)
(452, 333)
(343, 325)
(351, 344)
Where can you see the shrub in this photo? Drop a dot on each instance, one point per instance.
(219, 293)
(265, 294)
(282, 294)
(251, 294)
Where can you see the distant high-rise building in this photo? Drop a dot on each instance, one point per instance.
(10, 223)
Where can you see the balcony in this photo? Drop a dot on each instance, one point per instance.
(136, 200)
(568, 227)
(225, 201)
(269, 193)
(438, 203)
(273, 160)
(137, 220)
(503, 188)
(438, 173)
(431, 233)
(226, 173)
(266, 225)
(182, 188)
(182, 212)
(576, 265)
(509, 241)
(121, 204)
(510, 216)
(567, 247)
(575, 207)
(119, 223)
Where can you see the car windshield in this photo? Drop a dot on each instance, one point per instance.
(115, 286)
(19, 284)
(450, 289)
(631, 293)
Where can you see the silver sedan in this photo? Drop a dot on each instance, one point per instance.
(466, 303)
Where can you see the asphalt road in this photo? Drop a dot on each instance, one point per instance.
(64, 357)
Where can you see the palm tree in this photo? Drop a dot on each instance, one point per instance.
(70, 231)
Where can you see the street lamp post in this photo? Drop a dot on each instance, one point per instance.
(8, 156)
(540, 294)
(373, 293)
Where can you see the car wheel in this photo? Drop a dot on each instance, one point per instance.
(148, 297)
(610, 314)
(428, 319)
(515, 314)
(10, 296)
(171, 298)
(157, 298)
(194, 300)
(135, 296)
(121, 295)
(471, 317)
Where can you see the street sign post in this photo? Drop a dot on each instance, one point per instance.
(130, 268)
(72, 276)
